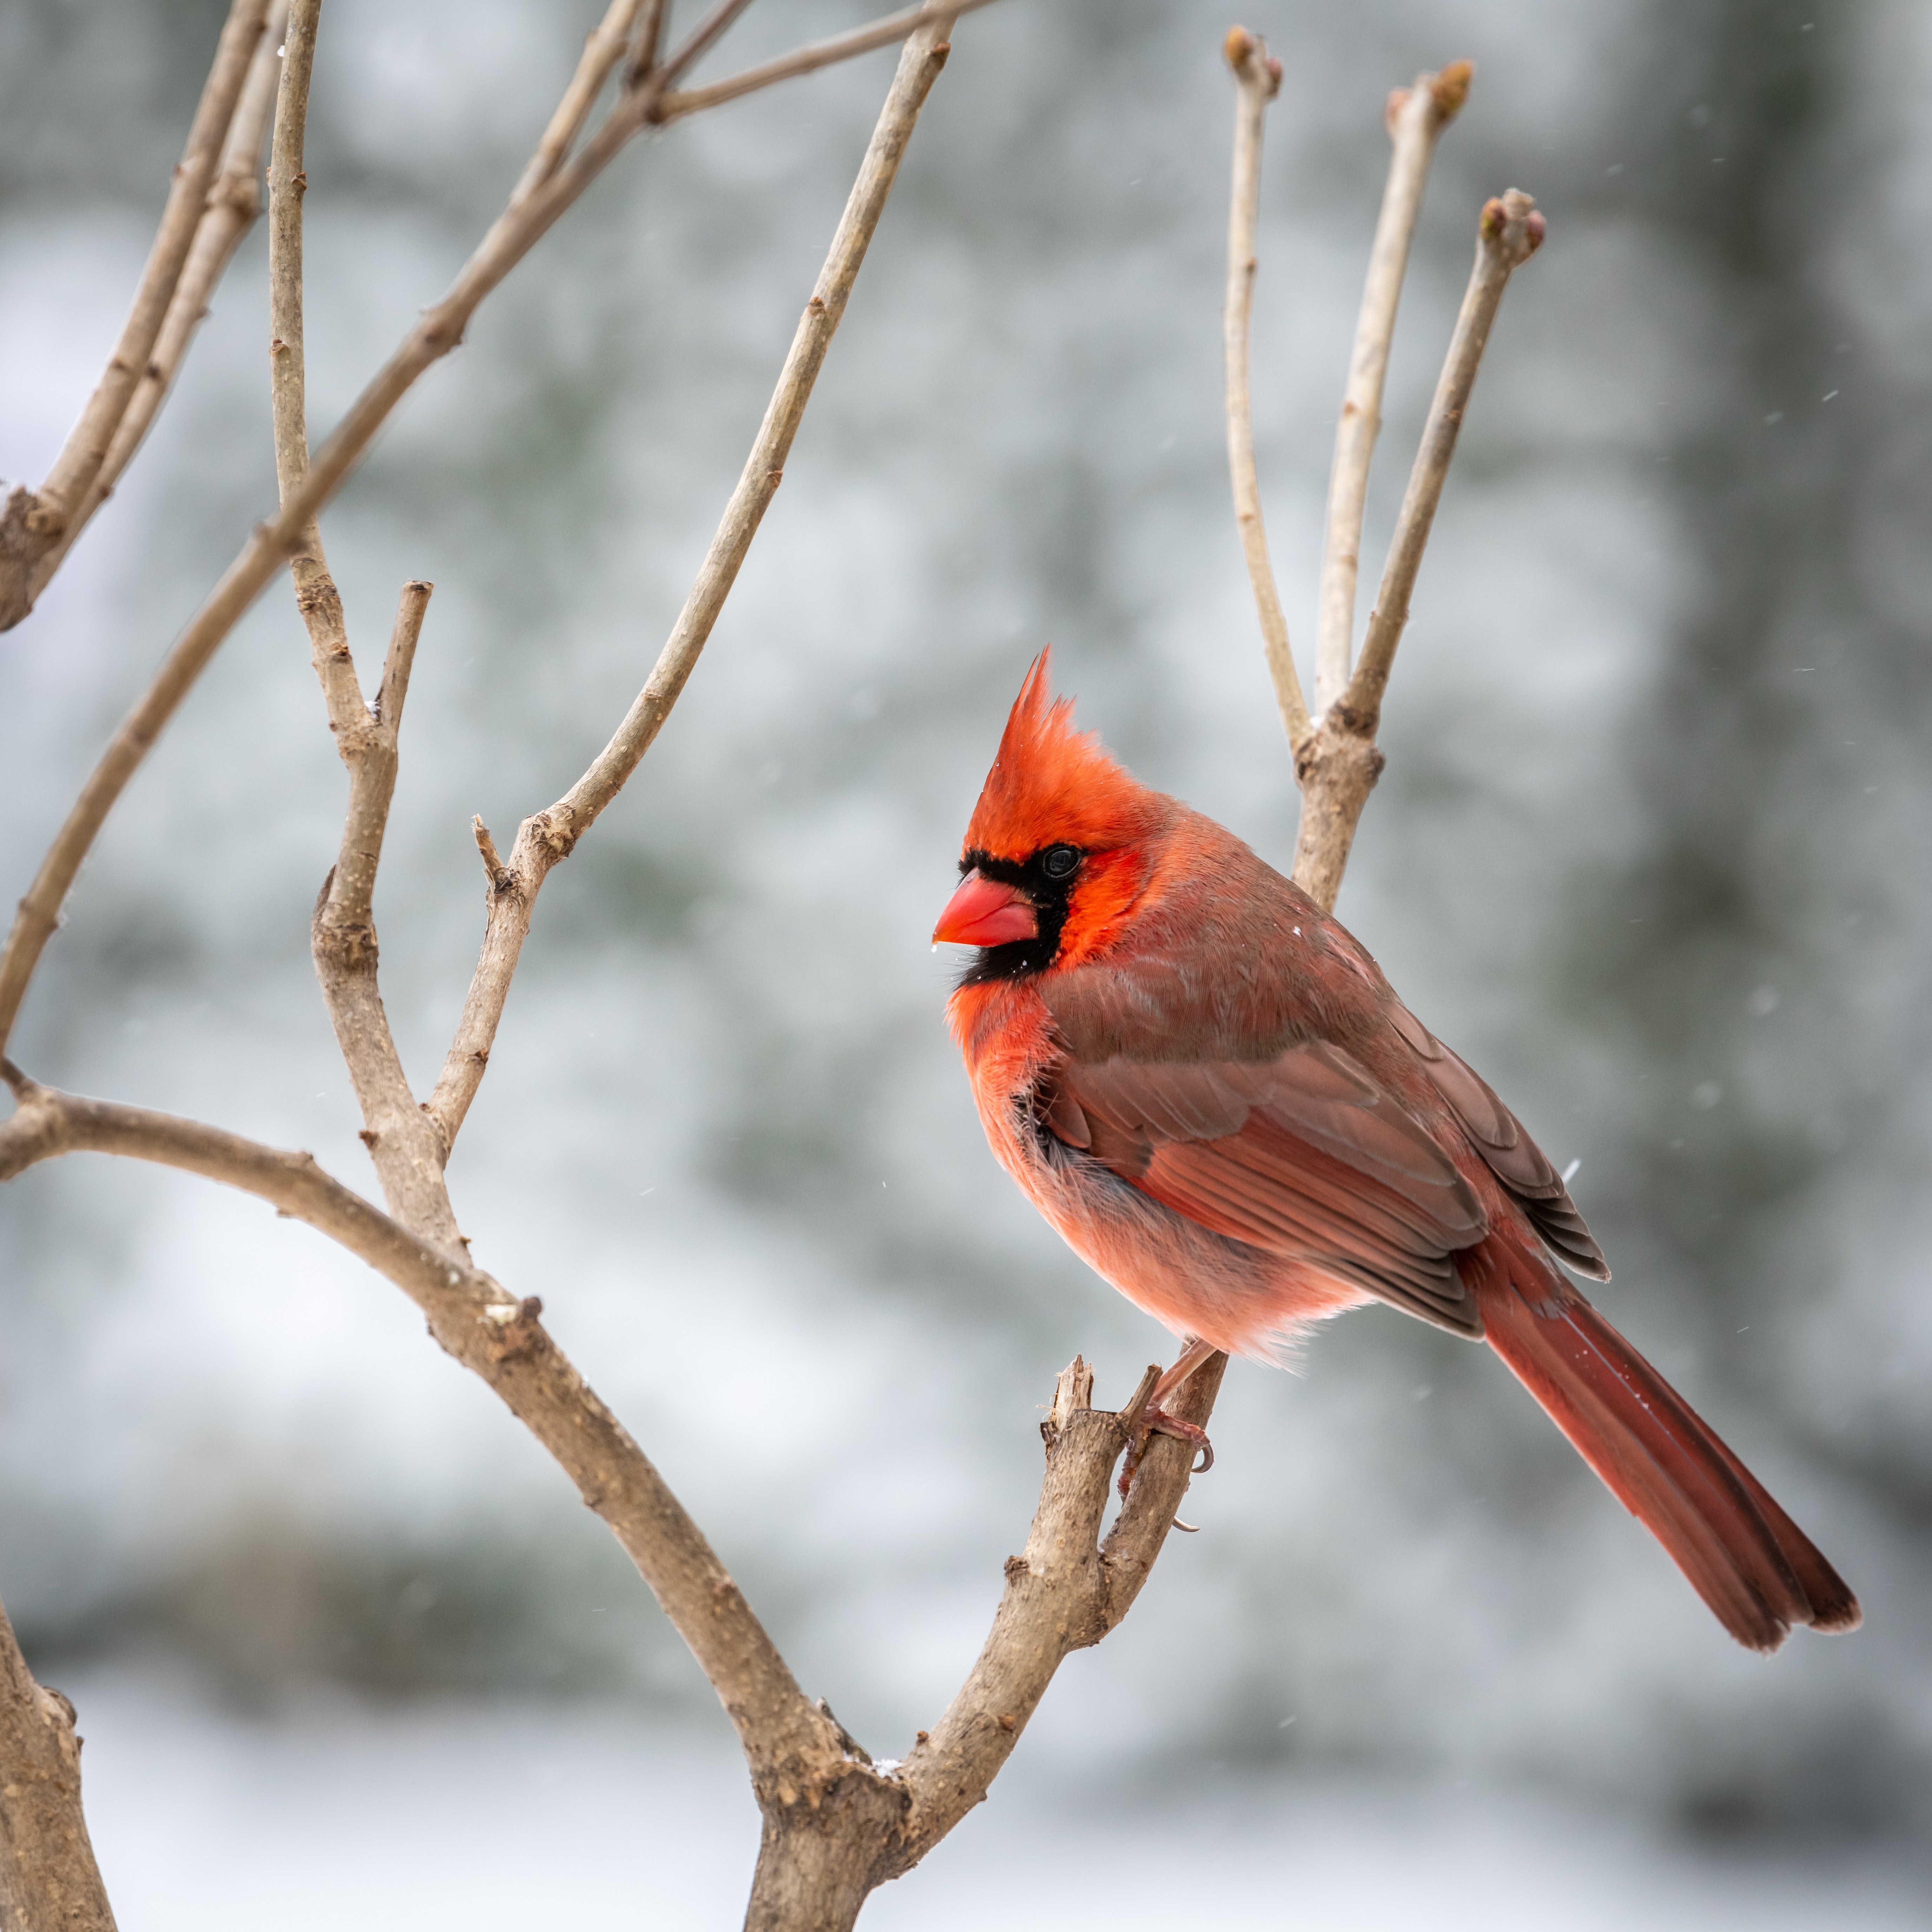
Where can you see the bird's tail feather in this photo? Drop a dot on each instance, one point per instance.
(1747, 1560)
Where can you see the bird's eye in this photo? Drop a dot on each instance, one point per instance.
(1061, 861)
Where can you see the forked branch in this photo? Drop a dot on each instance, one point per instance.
(1336, 759)
(403, 1142)
(807, 59)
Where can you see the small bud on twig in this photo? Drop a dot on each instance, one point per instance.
(1450, 89)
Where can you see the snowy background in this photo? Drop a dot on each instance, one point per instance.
(1650, 851)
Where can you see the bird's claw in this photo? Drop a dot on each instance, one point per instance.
(1155, 1421)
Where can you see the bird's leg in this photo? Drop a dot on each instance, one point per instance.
(1154, 1419)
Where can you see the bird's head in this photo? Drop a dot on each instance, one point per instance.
(1056, 854)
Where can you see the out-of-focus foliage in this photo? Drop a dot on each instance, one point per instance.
(1650, 849)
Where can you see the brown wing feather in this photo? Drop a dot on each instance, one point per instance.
(1517, 1162)
(1302, 1155)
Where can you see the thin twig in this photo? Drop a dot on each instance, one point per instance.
(1258, 80)
(371, 762)
(808, 58)
(500, 1338)
(1339, 764)
(549, 836)
(317, 597)
(1510, 231)
(48, 1875)
(1416, 118)
(602, 51)
(515, 233)
(233, 204)
(34, 521)
(695, 45)
(650, 43)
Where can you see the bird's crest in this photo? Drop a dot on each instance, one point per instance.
(1051, 784)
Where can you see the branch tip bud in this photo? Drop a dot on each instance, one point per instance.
(1451, 88)
(1239, 45)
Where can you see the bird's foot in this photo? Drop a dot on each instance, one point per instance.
(1155, 1421)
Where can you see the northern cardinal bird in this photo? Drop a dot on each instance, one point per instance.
(1207, 1087)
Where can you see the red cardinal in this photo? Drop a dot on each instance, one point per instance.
(1207, 1085)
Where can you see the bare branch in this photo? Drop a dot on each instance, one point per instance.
(1416, 116)
(501, 1339)
(510, 237)
(1511, 230)
(549, 837)
(807, 59)
(371, 761)
(692, 48)
(603, 49)
(399, 660)
(48, 1876)
(233, 203)
(826, 1846)
(1257, 81)
(317, 597)
(1339, 764)
(1066, 1591)
(35, 521)
(649, 40)
(403, 1142)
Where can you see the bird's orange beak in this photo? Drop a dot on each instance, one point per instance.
(983, 912)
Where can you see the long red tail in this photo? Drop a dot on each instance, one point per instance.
(1743, 1554)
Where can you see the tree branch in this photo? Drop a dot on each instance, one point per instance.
(1338, 765)
(34, 521)
(547, 838)
(1416, 116)
(602, 51)
(48, 1881)
(807, 59)
(786, 1739)
(651, 88)
(1511, 230)
(1257, 81)
(317, 597)
(649, 44)
(510, 237)
(233, 203)
(403, 1142)
(1067, 1590)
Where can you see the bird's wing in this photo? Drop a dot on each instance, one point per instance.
(1302, 1155)
(1499, 1136)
